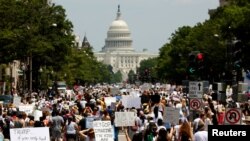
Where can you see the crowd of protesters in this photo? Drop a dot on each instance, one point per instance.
(65, 114)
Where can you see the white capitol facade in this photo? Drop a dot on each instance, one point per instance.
(118, 51)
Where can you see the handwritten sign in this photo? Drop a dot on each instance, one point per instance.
(30, 134)
(103, 131)
(124, 119)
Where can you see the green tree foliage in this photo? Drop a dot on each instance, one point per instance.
(34, 29)
(131, 77)
(148, 70)
(211, 38)
(116, 77)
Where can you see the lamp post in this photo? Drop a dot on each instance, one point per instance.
(40, 79)
(23, 67)
(11, 78)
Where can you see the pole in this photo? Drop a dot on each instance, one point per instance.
(30, 61)
(11, 79)
(23, 80)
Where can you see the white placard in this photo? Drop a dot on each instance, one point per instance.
(124, 119)
(17, 101)
(171, 115)
(103, 131)
(109, 100)
(89, 122)
(37, 114)
(28, 109)
(130, 101)
(30, 134)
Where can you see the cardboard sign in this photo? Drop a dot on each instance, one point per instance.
(30, 134)
(171, 115)
(89, 122)
(17, 101)
(109, 100)
(124, 119)
(103, 131)
(28, 109)
(37, 114)
(130, 101)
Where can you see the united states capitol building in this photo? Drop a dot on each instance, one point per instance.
(118, 50)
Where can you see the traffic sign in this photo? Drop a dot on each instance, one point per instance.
(195, 89)
(233, 116)
(195, 103)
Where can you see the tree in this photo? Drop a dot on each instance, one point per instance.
(117, 77)
(131, 77)
(147, 70)
(41, 32)
(228, 22)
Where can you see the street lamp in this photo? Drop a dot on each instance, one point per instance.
(23, 68)
(40, 79)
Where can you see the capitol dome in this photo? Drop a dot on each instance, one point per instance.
(118, 24)
(118, 36)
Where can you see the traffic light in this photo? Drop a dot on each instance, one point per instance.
(237, 54)
(196, 62)
(200, 61)
(192, 63)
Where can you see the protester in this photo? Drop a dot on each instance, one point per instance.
(72, 118)
(201, 134)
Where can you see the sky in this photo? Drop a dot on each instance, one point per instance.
(151, 22)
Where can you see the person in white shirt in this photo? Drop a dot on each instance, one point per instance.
(201, 134)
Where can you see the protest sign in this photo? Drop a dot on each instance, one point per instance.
(37, 114)
(103, 131)
(17, 101)
(130, 101)
(28, 109)
(89, 122)
(124, 119)
(171, 115)
(109, 100)
(30, 134)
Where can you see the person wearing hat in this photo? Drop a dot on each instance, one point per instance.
(201, 134)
